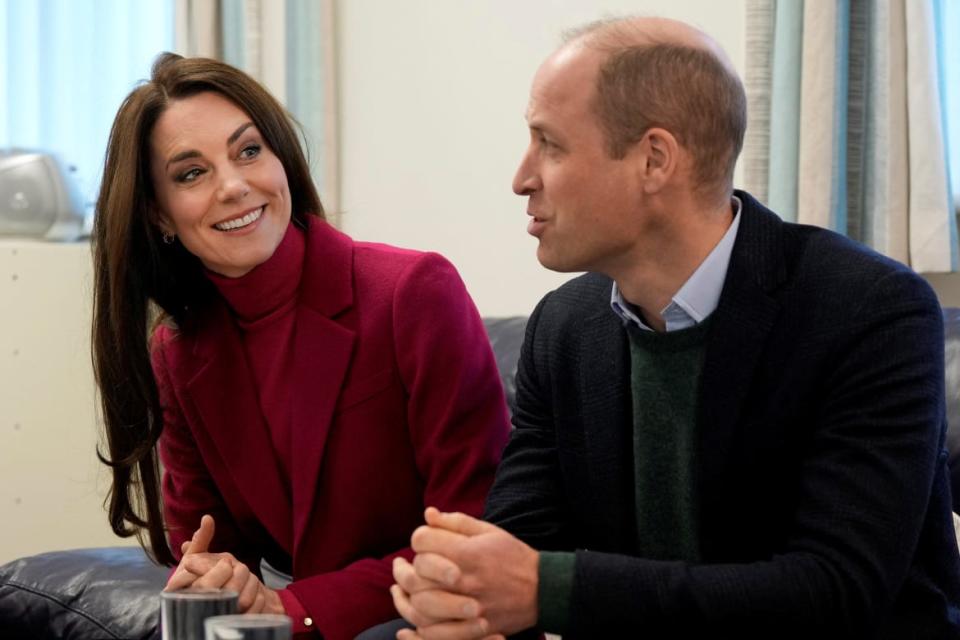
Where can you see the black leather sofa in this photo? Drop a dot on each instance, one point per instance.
(112, 592)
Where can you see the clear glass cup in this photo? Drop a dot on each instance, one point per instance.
(183, 612)
(249, 626)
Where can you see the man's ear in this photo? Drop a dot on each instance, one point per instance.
(659, 158)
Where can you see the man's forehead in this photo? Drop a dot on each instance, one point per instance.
(567, 74)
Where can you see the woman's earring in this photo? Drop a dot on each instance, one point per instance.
(167, 238)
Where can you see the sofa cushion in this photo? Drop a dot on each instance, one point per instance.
(506, 336)
(83, 593)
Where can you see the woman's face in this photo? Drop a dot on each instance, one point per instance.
(219, 187)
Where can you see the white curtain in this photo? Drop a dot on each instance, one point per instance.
(856, 137)
(65, 66)
(287, 45)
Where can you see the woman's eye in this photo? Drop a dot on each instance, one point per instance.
(250, 151)
(189, 176)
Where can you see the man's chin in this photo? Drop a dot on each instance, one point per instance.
(557, 263)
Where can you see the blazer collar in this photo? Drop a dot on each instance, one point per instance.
(327, 282)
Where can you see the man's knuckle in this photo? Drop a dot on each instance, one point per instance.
(417, 539)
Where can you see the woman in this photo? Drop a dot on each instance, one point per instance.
(310, 393)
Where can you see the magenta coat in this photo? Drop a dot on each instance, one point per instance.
(398, 405)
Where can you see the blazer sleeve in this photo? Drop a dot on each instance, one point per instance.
(457, 420)
(527, 497)
(189, 491)
(865, 487)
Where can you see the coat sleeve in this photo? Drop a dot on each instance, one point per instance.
(859, 514)
(457, 421)
(189, 491)
(527, 497)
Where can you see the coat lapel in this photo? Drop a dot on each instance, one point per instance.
(225, 397)
(608, 426)
(322, 355)
(740, 326)
(320, 364)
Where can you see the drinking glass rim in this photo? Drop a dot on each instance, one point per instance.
(250, 619)
(199, 593)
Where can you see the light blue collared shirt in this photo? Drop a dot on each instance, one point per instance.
(699, 295)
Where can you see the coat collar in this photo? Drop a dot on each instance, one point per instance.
(222, 388)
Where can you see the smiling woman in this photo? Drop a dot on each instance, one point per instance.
(308, 395)
(219, 187)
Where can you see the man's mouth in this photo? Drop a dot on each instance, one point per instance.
(241, 222)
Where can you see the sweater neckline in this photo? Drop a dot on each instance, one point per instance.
(269, 289)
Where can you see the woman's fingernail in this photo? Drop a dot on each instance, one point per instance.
(470, 610)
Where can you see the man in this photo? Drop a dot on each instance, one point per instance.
(731, 425)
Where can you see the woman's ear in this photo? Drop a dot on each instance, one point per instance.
(161, 221)
(659, 157)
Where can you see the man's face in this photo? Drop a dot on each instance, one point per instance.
(583, 204)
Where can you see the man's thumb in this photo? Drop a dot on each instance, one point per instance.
(457, 522)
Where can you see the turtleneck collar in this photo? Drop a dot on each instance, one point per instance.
(270, 288)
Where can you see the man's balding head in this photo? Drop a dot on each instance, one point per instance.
(663, 73)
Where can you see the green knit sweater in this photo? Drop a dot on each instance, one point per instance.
(665, 386)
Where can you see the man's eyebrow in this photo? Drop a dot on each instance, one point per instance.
(191, 153)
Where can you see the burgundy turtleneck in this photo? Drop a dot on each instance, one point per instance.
(263, 302)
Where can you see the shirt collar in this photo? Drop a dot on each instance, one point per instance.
(699, 295)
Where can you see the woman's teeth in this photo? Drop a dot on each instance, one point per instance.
(239, 223)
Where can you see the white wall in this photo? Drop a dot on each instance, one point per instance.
(51, 484)
(433, 94)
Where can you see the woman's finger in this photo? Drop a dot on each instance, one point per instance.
(181, 579)
(401, 601)
(217, 576)
(245, 584)
(260, 601)
(201, 563)
(202, 537)
(443, 605)
(411, 582)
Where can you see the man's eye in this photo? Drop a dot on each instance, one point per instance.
(250, 151)
(189, 176)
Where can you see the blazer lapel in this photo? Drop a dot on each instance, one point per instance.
(322, 354)
(607, 420)
(741, 323)
(225, 397)
(321, 360)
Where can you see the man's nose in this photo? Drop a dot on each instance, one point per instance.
(526, 180)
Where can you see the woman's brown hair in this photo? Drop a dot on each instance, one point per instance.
(138, 278)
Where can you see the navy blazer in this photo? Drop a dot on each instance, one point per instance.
(823, 492)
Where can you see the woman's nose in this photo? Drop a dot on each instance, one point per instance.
(233, 186)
